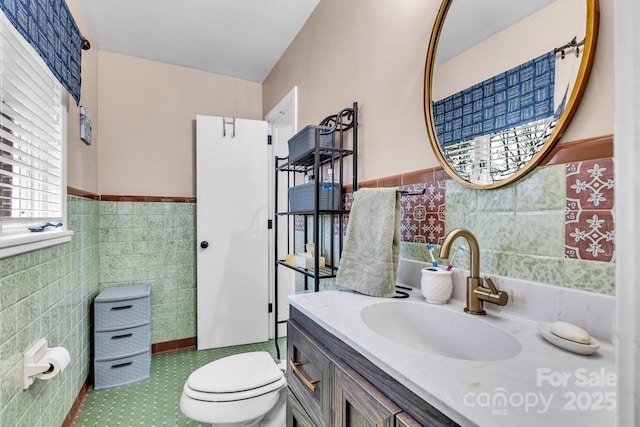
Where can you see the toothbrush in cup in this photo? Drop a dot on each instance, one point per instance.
(434, 263)
(460, 248)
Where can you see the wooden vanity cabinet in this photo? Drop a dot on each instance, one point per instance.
(331, 384)
(357, 403)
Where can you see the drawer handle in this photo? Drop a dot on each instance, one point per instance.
(121, 365)
(122, 307)
(309, 383)
(119, 337)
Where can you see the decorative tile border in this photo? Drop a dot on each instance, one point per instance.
(599, 147)
(126, 198)
(590, 235)
(589, 218)
(72, 191)
(423, 215)
(590, 185)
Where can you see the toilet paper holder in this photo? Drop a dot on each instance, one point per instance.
(34, 365)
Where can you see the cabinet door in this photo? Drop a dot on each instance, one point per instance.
(357, 403)
(296, 415)
(309, 375)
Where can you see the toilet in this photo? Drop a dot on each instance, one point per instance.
(247, 389)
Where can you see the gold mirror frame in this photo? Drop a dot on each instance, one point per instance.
(588, 52)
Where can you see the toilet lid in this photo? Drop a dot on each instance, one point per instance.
(236, 373)
(234, 396)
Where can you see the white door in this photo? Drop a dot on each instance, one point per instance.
(232, 234)
(282, 121)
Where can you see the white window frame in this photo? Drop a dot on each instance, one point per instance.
(15, 237)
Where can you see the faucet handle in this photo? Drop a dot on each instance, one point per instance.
(496, 297)
(492, 286)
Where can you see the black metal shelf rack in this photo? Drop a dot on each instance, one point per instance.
(316, 161)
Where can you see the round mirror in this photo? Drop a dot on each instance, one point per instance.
(503, 78)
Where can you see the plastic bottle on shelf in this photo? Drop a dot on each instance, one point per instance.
(328, 180)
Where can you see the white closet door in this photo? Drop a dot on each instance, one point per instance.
(232, 233)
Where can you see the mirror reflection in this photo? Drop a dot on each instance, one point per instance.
(503, 79)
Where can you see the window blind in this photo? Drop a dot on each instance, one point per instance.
(31, 135)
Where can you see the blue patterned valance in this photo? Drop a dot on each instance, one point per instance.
(520, 95)
(50, 28)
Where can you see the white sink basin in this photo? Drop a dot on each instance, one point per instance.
(432, 329)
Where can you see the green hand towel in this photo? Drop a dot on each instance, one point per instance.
(369, 262)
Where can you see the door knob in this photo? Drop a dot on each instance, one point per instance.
(204, 244)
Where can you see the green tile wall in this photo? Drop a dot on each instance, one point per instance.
(521, 232)
(48, 293)
(153, 242)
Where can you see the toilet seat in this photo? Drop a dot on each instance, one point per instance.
(237, 377)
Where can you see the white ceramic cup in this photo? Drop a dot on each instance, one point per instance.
(436, 284)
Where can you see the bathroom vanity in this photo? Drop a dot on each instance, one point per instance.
(322, 375)
(345, 368)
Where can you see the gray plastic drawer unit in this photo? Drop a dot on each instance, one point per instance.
(122, 371)
(119, 342)
(122, 336)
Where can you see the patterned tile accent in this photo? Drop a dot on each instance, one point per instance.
(590, 235)
(589, 219)
(423, 215)
(590, 185)
(348, 200)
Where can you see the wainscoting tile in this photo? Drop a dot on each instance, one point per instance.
(541, 190)
(538, 233)
(590, 276)
(495, 231)
(500, 199)
(537, 269)
(459, 197)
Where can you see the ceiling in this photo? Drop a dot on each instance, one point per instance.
(236, 38)
(469, 22)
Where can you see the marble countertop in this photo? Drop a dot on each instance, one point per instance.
(543, 384)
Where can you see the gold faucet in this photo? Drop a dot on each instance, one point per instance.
(476, 292)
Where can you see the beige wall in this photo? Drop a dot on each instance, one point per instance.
(374, 52)
(511, 47)
(147, 122)
(82, 159)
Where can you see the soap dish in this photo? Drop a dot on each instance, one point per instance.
(574, 347)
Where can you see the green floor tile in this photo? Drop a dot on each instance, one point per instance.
(156, 401)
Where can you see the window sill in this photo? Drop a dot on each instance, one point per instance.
(15, 244)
